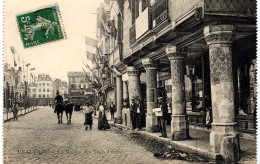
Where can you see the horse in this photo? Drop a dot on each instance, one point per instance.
(69, 110)
(59, 108)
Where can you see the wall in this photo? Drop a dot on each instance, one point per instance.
(126, 26)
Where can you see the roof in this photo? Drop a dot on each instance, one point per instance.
(75, 74)
(32, 85)
(44, 77)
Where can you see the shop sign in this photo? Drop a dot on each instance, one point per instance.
(142, 23)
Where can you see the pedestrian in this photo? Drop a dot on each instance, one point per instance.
(15, 111)
(88, 111)
(102, 120)
(105, 106)
(139, 114)
(112, 109)
(133, 111)
(162, 119)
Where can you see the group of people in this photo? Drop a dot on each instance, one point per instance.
(136, 113)
(102, 119)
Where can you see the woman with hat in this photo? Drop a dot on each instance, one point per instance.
(102, 119)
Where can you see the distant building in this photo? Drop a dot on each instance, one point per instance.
(77, 83)
(13, 85)
(60, 86)
(33, 90)
(44, 86)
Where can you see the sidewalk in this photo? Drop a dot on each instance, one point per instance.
(21, 111)
(199, 143)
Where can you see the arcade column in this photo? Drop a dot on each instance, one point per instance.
(133, 83)
(179, 123)
(151, 94)
(224, 138)
(125, 90)
(119, 97)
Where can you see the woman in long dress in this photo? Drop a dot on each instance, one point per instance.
(102, 119)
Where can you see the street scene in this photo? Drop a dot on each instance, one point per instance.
(37, 138)
(130, 81)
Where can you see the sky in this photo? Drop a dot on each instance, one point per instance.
(59, 57)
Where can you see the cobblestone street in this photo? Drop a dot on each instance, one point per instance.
(37, 138)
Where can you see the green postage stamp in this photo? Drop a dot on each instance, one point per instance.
(40, 26)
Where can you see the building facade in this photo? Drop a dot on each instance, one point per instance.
(44, 86)
(77, 83)
(202, 53)
(60, 86)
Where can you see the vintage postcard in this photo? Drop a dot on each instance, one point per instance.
(130, 81)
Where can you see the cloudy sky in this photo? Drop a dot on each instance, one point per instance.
(55, 58)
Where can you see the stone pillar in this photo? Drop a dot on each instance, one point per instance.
(151, 94)
(179, 123)
(133, 83)
(119, 97)
(223, 137)
(125, 90)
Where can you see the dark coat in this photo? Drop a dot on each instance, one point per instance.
(164, 108)
(59, 99)
(141, 108)
(133, 107)
(112, 108)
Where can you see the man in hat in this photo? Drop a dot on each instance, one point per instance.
(58, 99)
(162, 119)
(139, 114)
(112, 109)
(133, 111)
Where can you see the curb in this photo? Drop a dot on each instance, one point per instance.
(177, 145)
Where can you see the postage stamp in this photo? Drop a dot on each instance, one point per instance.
(40, 26)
